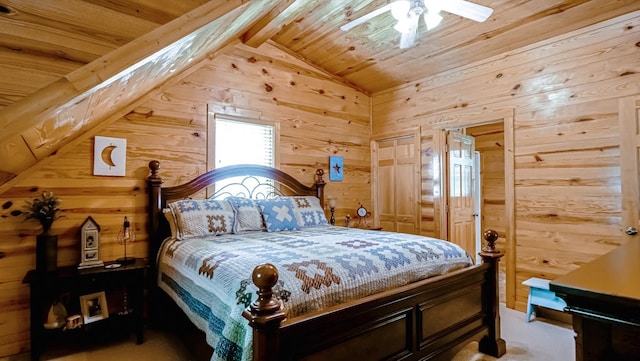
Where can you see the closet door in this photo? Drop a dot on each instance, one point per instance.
(397, 184)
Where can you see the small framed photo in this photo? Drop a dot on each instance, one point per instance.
(91, 240)
(94, 307)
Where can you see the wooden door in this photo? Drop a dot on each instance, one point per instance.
(629, 118)
(462, 220)
(397, 184)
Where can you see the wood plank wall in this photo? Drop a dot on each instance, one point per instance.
(318, 118)
(490, 144)
(567, 167)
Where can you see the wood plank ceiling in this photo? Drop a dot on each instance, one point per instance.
(76, 41)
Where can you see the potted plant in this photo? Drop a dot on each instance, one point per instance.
(45, 210)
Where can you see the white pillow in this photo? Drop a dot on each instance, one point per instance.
(171, 219)
(308, 211)
(247, 215)
(204, 217)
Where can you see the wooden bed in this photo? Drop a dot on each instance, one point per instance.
(427, 320)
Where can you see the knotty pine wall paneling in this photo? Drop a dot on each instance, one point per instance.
(564, 92)
(318, 118)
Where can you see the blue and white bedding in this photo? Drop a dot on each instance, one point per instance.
(209, 276)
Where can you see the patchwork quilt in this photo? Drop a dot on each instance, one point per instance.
(210, 277)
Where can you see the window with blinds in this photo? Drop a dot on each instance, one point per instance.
(235, 140)
(241, 142)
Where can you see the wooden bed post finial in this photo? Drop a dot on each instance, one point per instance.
(265, 314)
(154, 166)
(265, 277)
(491, 237)
(492, 344)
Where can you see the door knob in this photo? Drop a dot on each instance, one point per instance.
(631, 231)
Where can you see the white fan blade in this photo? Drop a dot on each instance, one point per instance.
(365, 18)
(408, 38)
(466, 9)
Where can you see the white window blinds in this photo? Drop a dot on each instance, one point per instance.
(239, 142)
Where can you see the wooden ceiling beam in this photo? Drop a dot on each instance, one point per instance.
(26, 113)
(8, 181)
(64, 111)
(271, 23)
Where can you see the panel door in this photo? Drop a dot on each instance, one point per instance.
(384, 192)
(461, 191)
(397, 184)
(407, 186)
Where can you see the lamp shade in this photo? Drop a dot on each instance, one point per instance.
(332, 202)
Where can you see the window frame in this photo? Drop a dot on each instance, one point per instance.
(211, 135)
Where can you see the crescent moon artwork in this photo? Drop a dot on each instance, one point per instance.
(109, 156)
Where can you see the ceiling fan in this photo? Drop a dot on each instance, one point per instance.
(408, 13)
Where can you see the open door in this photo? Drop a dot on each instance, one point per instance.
(462, 220)
(629, 118)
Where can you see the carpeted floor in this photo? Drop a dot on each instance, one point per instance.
(539, 340)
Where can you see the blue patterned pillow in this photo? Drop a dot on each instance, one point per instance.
(278, 215)
(202, 217)
(308, 211)
(247, 214)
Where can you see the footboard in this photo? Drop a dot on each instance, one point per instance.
(431, 319)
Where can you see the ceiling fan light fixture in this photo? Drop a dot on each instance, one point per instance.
(402, 26)
(434, 5)
(400, 9)
(408, 13)
(432, 19)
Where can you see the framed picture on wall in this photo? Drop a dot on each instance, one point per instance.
(336, 168)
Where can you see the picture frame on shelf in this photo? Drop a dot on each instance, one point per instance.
(94, 307)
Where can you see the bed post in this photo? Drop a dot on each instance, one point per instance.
(265, 314)
(155, 210)
(492, 344)
(320, 183)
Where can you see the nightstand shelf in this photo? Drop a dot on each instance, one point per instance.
(67, 284)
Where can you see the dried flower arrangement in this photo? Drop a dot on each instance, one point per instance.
(44, 209)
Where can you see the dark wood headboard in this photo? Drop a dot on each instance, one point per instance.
(159, 196)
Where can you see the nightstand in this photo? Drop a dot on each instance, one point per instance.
(123, 286)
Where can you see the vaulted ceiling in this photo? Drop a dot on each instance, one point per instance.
(63, 59)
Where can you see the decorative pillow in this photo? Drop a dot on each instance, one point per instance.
(247, 215)
(278, 214)
(308, 211)
(171, 219)
(202, 217)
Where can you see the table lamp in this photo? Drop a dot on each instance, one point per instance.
(332, 206)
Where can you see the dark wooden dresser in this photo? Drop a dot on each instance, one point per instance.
(603, 297)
